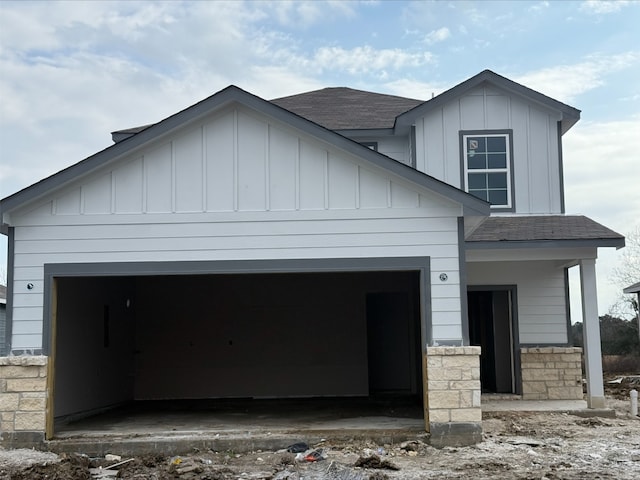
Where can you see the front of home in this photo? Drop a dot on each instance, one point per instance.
(335, 244)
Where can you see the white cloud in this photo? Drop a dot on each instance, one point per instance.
(599, 159)
(566, 82)
(367, 59)
(436, 36)
(597, 7)
(539, 7)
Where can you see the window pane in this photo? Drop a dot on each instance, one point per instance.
(482, 194)
(476, 144)
(477, 181)
(477, 161)
(497, 180)
(496, 144)
(497, 160)
(498, 197)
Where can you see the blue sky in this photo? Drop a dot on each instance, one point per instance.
(71, 72)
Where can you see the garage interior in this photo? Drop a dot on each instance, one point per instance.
(188, 351)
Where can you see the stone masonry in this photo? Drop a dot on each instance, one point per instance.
(453, 415)
(23, 399)
(551, 373)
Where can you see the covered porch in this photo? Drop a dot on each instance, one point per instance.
(518, 305)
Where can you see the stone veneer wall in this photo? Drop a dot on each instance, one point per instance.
(23, 400)
(551, 373)
(453, 414)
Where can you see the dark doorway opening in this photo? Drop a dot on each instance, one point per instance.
(393, 331)
(492, 327)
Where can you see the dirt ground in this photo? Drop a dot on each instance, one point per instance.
(516, 445)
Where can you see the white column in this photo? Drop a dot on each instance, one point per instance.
(591, 334)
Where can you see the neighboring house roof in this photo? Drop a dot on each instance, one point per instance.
(3, 294)
(230, 95)
(567, 230)
(342, 108)
(568, 115)
(635, 288)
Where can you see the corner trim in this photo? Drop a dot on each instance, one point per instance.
(8, 332)
(462, 267)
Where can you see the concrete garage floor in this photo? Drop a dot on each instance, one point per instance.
(178, 427)
(239, 425)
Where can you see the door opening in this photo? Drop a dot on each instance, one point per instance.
(392, 333)
(491, 326)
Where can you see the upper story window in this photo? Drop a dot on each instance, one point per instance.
(487, 165)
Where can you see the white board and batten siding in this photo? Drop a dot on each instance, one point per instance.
(542, 309)
(537, 182)
(235, 186)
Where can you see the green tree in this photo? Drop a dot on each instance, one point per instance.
(617, 336)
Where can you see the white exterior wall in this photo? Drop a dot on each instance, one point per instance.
(542, 309)
(537, 183)
(396, 148)
(236, 186)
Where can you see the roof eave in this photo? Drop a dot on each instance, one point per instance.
(568, 114)
(569, 243)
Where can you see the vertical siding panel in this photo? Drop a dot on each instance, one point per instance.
(498, 112)
(472, 112)
(519, 115)
(342, 180)
(312, 176)
(421, 155)
(69, 203)
(188, 161)
(539, 174)
(220, 154)
(373, 190)
(158, 179)
(251, 163)
(283, 170)
(97, 195)
(451, 127)
(433, 145)
(267, 169)
(205, 164)
(127, 187)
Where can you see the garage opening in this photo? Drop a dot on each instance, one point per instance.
(206, 342)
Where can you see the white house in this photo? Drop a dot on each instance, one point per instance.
(402, 233)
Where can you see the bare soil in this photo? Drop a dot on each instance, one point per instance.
(516, 445)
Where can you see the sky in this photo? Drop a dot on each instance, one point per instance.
(72, 72)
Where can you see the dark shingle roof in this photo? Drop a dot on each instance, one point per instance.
(544, 228)
(342, 108)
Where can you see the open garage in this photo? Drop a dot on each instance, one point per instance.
(123, 339)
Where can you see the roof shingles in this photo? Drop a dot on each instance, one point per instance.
(341, 108)
(542, 228)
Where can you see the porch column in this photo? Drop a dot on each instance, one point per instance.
(591, 334)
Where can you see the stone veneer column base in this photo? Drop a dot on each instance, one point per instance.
(551, 373)
(453, 415)
(23, 400)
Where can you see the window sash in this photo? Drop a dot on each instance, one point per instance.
(490, 158)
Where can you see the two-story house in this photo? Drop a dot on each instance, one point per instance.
(329, 244)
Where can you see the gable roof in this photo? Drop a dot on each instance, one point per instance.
(554, 230)
(232, 94)
(568, 115)
(342, 108)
